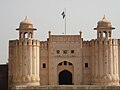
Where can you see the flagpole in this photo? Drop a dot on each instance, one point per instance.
(64, 17)
(65, 21)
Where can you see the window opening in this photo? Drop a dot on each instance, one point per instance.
(104, 34)
(64, 51)
(99, 34)
(70, 63)
(60, 63)
(65, 63)
(72, 51)
(86, 65)
(58, 51)
(44, 65)
(25, 35)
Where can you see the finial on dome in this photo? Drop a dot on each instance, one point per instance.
(26, 21)
(25, 18)
(104, 16)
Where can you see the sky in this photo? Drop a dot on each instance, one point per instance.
(81, 15)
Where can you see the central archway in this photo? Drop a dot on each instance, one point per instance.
(65, 78)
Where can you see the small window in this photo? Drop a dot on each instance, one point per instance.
(64, 51)
(70, 63)
(86, 65)
(72, 51)
(60, 63)
(58, 51)
(65, 63)
(44, 65)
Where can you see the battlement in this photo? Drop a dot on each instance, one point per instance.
(118, 42)
(43, 44)
(17, 42)
(103, 42)
(62, 38)
(86, 43)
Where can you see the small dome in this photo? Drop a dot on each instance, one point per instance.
(26, 25)
(104, 23)
(26, 21)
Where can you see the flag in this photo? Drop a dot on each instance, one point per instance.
(63, 14)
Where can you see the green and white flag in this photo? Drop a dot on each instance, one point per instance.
(63, 14)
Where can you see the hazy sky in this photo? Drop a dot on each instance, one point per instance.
(46, 15)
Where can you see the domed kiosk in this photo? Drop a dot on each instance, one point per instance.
(104, 29)
(105, 56)
(26, 28)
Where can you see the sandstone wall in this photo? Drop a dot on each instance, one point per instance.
(44, 75)
(104, 62)
(65, 43)
(24, 62)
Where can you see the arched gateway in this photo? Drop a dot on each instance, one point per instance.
(65, 78)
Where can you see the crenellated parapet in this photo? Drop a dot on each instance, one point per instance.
(86, 43)
(28, 42)
(118, 42)
(43, 44)
(65, 38)
(94, 42)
